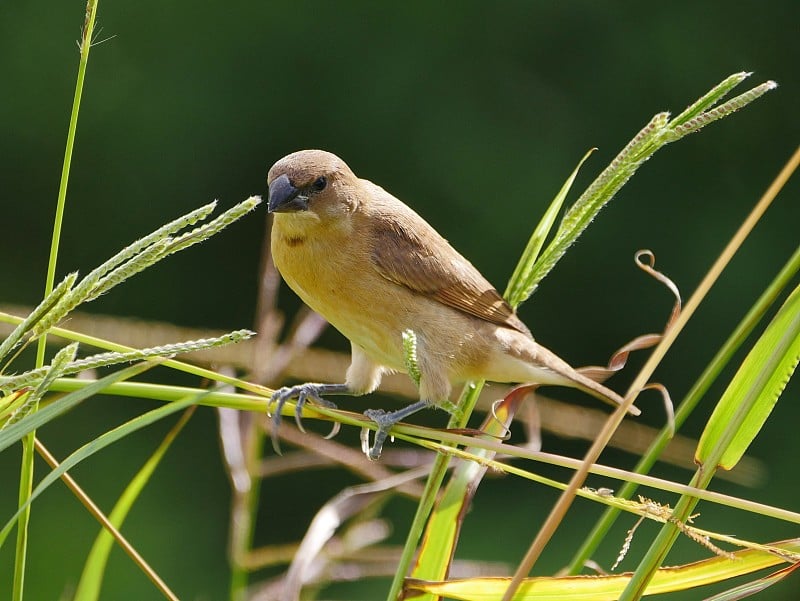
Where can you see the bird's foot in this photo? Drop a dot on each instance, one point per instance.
(304, 393)
(385, 420)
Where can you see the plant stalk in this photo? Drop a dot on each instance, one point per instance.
(28, 446)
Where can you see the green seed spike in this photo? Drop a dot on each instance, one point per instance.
(34, 376)
(150, 255)
(165, 230)
(45, 378)
(212, 227)
(410, 355)
(30, 322)
(734, 104)
(710, 98)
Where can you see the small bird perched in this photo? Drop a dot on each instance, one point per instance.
(374, 269)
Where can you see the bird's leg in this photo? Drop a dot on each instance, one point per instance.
(303, 392)
(385, 421)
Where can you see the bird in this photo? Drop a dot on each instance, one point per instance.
(374, 268)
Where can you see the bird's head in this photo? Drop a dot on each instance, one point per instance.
(313, 183)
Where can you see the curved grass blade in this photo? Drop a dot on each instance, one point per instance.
(521, 284)
(690, 402)
(749, 589)
(94, 569)
(30, 422)
(603, 588)
(93, 446)
(444, 525)
(754, 390)
(55, 370)
(41, 310)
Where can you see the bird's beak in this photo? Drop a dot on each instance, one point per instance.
(284, 197)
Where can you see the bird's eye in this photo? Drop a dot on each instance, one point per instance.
(320, 183)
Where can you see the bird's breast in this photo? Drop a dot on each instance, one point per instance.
(335, 277)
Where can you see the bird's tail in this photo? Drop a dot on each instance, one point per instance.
(599, 391)
(549, 368)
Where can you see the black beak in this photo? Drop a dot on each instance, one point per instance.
(284, 197)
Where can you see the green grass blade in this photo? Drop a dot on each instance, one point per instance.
(748, 589)
(26, 469)
(689, 403)
(34, 376)
(754, 390)
(54, 370)
(94, 569)
(469, 397)
(521, 285)
(605, 588)
(598, 194)
(42, 309)
(444, 525)
(29, 423)
(93, 446)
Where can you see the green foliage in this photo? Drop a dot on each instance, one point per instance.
(89, 585)
(657, 133)
(97, 445)
(59, 301)
(533, 267)
(29, 402)
(753, 391)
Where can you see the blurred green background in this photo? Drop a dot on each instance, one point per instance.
(472, 112)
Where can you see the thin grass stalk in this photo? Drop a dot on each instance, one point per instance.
(105, 522)
(566, 498)
(188, 368)
(28, 445)
(519, 288)
(686, 407)
(459, 419)
(432, 486)
(36, 376)
(663, 542)
(666, 537)
(244, 528)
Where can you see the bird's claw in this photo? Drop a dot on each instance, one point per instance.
(304, 393)
(385, 421)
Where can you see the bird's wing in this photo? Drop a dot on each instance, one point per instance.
(409, 252)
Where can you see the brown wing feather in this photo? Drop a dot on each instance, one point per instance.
(409, 252)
